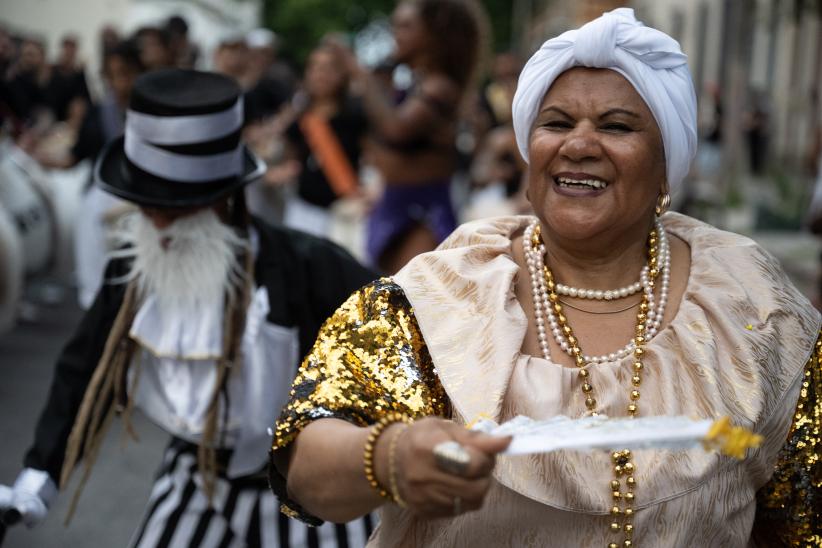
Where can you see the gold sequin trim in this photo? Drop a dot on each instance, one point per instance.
(369, 360)
(789, 507)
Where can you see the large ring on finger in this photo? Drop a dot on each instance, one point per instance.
(452, 457)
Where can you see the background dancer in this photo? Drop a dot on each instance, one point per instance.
(441, 41)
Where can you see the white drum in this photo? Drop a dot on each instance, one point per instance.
(12, 270)
(30, 212)
(66, 192)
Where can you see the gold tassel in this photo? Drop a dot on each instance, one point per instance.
(730, 440)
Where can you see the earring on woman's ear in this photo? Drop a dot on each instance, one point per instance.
(663, 202)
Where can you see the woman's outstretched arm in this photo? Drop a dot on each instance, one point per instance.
(326, 475)
(370, 361)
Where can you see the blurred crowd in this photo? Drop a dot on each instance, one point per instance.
(43, 98)
(382, 162)
(50, 112)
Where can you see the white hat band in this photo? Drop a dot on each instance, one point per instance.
(183, 130)
(184, 168)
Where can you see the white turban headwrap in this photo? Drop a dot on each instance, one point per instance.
(649, 59)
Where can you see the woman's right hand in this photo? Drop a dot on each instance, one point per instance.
(426, 488)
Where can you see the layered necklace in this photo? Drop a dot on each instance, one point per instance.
(550, 317)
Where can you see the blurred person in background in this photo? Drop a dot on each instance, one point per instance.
(414, 136)
(108, 39)
(499, 92)
(497, 169)
(104, 123)
(269, 81)
(248, 60)
(184, 53)
(231, 58)
(53, 139)
(121, 67)
(326, 138)
(69, 87)
(497, 175)
(154, 44)
(8, 52)
(29, 80)
(756, 123)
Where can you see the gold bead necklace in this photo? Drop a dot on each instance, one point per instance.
(622, 511)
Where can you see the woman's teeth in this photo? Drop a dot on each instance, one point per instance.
(581, 183)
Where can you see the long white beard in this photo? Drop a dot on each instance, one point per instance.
(192, 262)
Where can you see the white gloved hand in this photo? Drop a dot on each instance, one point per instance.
(30, 496)
(6, 497)
(9, 514)
(31, 507)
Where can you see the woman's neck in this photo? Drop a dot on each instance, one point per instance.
(602, 262)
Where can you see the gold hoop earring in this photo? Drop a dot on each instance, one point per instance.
(663, 203)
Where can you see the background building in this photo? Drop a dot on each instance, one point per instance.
(209, 21)
(757, 69)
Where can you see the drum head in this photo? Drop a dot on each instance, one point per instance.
(30, 213)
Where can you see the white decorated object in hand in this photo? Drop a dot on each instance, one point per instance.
(601, 432)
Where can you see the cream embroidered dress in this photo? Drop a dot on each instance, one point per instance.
(444, 337)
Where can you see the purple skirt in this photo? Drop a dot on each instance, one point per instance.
(402, 207)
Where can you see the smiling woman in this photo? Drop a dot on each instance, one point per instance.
(596, 159)
(602, 303)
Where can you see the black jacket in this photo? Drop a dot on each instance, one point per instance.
(307, 279)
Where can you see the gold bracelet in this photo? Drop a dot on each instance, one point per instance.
(392, 467)
(370, 444)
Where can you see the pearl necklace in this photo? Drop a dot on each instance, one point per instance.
(622, 511)
(599, 294)
(546, 318)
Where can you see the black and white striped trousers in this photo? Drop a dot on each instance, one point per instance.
(243, 513)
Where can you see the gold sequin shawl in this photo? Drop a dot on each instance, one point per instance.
(736, 347)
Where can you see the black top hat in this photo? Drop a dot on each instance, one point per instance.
(181, 146)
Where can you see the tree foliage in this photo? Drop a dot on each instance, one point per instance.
(302, 23)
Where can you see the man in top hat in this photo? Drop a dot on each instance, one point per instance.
(202, 320)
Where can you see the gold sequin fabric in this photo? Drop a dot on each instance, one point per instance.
(789, 507)
(368, 360)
